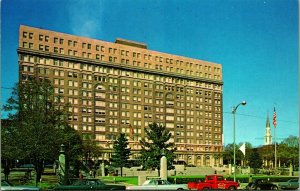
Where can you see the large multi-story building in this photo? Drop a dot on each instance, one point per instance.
(124, 86)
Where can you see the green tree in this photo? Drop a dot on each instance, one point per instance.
(39, 123)
(288, 150)
(90, 152)
(157, 141)
(266, 152)
(228, 154)
(248, 151)
(74, 149)
(7, 146)
(120, 158)
(254, 160)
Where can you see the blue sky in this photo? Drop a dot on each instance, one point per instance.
(256, 41)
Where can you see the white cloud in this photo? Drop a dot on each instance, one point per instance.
(85, 17)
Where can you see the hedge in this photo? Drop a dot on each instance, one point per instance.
(185, 180)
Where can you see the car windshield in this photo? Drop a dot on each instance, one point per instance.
(166, 182)
(5, 183)
(94, 182)
(79, 182)
(149, 182)
(91, 182)
(295, 180)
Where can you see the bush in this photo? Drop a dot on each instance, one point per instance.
(244, 179)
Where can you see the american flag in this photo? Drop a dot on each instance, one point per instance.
(274, 118)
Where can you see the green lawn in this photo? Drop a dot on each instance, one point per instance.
(48, 180)
(132, 180)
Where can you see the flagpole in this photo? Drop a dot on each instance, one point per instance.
(275, 149)
(275, 123)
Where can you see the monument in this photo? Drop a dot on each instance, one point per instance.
(62, 166)
(163, 167)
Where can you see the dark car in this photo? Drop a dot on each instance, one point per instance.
(5, 185)
(261, 184)
(90, 184)
(292, 184)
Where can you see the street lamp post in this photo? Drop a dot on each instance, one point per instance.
(233, 113)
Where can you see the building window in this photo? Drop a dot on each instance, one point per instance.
(70, 43)
(30, 35)
(41, 37)
(25, 34)
(61, 41)
(55, 40)
(46, 38)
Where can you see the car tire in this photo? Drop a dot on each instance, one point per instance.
(179, 188)
(258, 188)
(231, 188)
(274, 188)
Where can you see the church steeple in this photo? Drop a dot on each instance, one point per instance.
(268, 136)
(268, 121)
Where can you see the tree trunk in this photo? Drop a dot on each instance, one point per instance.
(39, 169)
(158, 170)
(6, 169)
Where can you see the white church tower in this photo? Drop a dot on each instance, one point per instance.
(268, 136)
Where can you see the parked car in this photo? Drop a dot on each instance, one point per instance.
(292, 184)
(261, 184)
(158, 184)
(214, 182)
(27, 166)
(5, 185)
(90, 184)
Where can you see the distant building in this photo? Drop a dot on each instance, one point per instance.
(268, 136)
(124, 86)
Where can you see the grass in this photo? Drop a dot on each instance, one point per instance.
(132, 180)
(49, 180)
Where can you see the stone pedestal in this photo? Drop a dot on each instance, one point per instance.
(291, 170)
(230, 169)
(102, 169)
(141, 180)
(62, 166)
(163, 168)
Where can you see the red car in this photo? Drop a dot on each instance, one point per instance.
(214, 182)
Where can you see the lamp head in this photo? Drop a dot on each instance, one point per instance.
(244, 102)
(62, 148)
